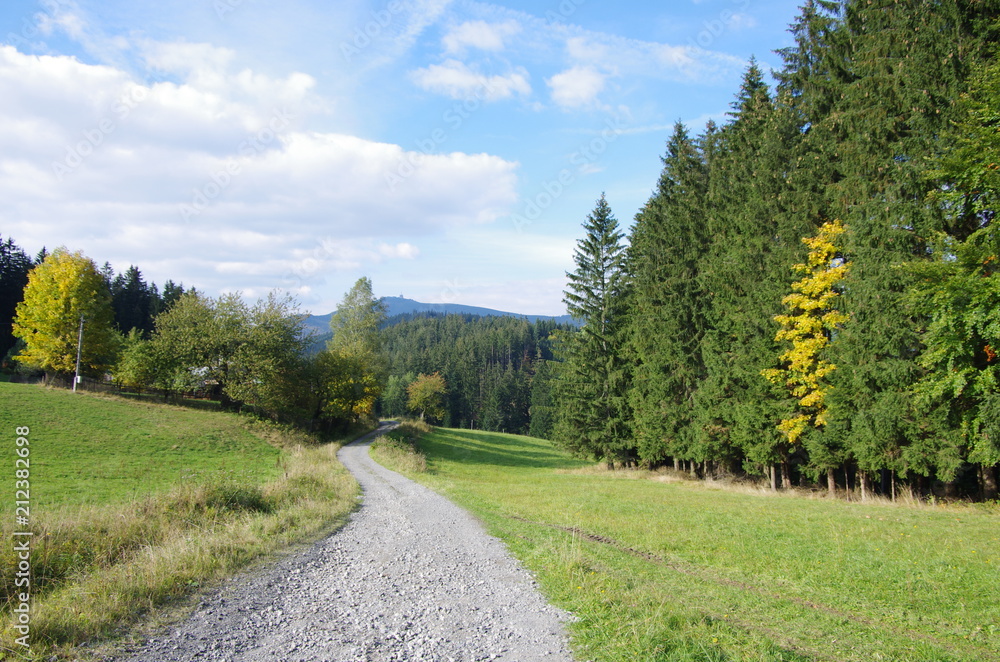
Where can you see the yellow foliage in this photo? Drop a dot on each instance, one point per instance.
(812, 316)
(62, 289)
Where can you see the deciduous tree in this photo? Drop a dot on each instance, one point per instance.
(812, 320)
(61, 290)
(426, 395)
(359, 366)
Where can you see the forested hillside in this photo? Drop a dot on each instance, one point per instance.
(496, 369)
(810, 293)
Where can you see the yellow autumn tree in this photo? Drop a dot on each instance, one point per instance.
(812, 318)
(62, 289)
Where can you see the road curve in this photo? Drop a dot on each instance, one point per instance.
(410, 577)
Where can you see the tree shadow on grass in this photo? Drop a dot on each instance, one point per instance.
(494, 448)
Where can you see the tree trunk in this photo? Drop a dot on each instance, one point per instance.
(863, 480)
(884, 485)
(693, 469)
(773, 477)
(989, 483)
(786, 475)
(677, 463)
(831, 483)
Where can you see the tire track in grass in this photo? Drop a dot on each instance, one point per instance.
(702, 574)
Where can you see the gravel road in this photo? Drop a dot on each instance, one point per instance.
(410, 577)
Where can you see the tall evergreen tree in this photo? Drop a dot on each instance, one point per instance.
(667, 317)
(14, 267)
(959, 292)
(902, 62)
(171, 293)
(593, 417)
(756, 229)
(134, 302)
(541, 411)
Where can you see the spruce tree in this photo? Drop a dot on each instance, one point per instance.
(959, 292)
(14, 267)
(756, 231)
(667, 316)
(906, 62)
(593, 415)
(134, 302)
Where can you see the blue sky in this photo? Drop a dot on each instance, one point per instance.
(447, 149)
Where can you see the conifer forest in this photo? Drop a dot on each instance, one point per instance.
(811, 292)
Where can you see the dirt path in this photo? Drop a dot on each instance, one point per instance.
(411, 577)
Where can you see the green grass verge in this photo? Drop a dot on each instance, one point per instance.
(118, 450)
(106, 556)
(658, 570)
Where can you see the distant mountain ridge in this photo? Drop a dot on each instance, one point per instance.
(401, 306)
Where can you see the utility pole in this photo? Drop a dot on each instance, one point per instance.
(79, 348)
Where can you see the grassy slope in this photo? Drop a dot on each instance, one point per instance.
(135, 506)
(675, 571)
(82, 452)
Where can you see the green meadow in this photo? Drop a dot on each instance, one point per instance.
(88, 449)
(657, 568)
(136, 506)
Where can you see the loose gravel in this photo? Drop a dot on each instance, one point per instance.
(410, 577)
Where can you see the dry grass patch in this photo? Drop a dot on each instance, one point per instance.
(97, 571)
(398, 449)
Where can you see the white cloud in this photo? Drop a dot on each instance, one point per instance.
(587, 49)
(577, 87)
(213, 180)
(456, 80)
(401, 33)
(624, 57)
(741, 21)
(64, 17)
(186, 58)
(479, 34)
(402, 250)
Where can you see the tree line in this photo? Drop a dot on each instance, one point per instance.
(811, 292)
(67, 315)
(496, 369)
(135, 303)
(462, 370)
